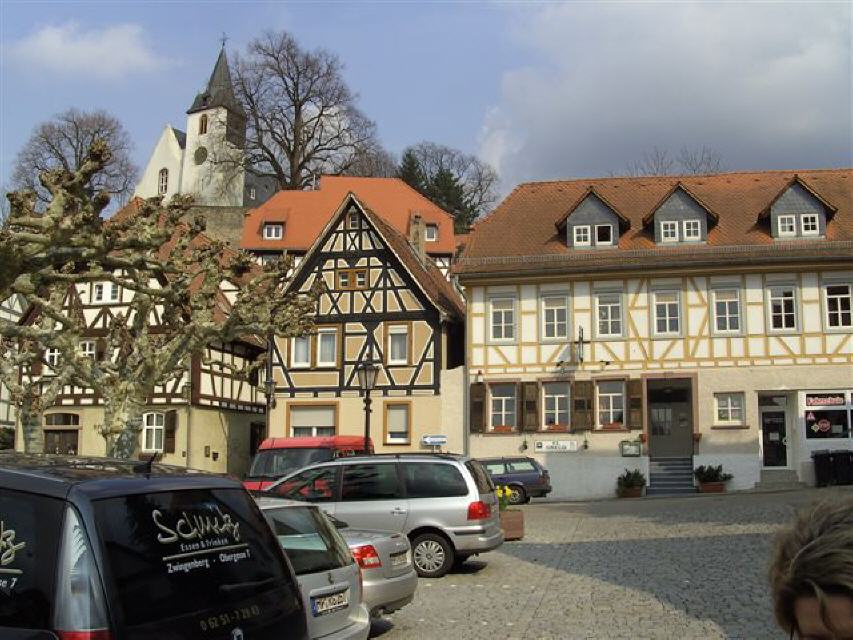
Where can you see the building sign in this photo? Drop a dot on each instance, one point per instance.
(825, 399)
(556, 445)
(434, 441)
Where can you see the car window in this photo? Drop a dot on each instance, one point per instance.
(482, 479)
(193, 558)
(309, 540)
(494, 467)
(433, 480)
(311, 485)
(520, 466)
(274, 463)
(29, 539)
(370, 482)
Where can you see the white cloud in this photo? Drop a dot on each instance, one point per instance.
(765, 85)
(108, 53)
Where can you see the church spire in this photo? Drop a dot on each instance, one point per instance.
(220, 90)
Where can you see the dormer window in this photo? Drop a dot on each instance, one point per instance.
(352, 220)
(811, 226)
(603, 234)
(431, 233)
(581, 238)
(252, 193)
(692, 230)
(273, 231)
(669, 231)
(787, 225)
(592, 222)
(798, 211)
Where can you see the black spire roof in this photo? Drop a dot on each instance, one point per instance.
(220, 91)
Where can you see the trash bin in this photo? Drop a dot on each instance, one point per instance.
(842, 466)
(823, 469)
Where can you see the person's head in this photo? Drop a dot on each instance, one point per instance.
(811, 575)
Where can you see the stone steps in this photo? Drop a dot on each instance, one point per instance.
(670, 476)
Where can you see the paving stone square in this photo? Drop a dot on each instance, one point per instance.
(685, 568)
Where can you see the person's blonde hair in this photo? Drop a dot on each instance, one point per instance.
(813, 558)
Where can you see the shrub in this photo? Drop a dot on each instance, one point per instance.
(711, 474)
(629, 479)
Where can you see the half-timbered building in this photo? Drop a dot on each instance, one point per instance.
(10, 310)
(686, 320)
(385, 300)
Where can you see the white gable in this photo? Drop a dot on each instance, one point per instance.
(167, 155)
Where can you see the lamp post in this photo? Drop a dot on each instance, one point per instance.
(367, 371)
(269, 383)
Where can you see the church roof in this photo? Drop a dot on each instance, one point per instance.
(181, 137)
(220, 90)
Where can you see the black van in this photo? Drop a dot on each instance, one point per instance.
(99, 549)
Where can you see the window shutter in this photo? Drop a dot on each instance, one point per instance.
(530, 410)
(634, 390)
(477, 408)
(101, 349)
(583, 396)
(170, 427)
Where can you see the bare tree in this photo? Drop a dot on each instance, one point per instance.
(654, 163)
(64, 142)
(700, 161)
(301, 115)
(690, 161)
(374, 162)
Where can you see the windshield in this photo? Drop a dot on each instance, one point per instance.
(273, 463)
(309, 540)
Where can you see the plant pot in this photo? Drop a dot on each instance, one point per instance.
(503, 429)
(712, 487)
(512, 524)
(631, 492)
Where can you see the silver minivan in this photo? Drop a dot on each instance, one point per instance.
(329, 578)
(444, 503)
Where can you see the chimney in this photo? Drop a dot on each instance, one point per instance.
(416, 235)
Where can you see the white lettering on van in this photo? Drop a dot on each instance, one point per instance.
(197, 526)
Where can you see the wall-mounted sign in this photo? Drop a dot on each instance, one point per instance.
(631, 448)
(825, 399)
(434, 441)
(556, 445)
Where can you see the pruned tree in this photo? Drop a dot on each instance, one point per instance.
(302, 118)
(63, 142)
(172, 273)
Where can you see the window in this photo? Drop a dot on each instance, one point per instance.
(309, 539)
(811, 226)
(300, 351)
(311, 485)
(352, 278)
(555, 317)
(581, 236)
(827, 415)
(603, 234)
(202, 124)
(729, 408)
(352, 220)
(494, 468)
(51, 356)
(273, 231)
(787, 225)
(327, 347)
(103, 289)
(252, 193)
(838, 306)
(397, 417)
(433, 480)
(555, 403)
(669, 231)
(609, 314)
(503, 319)
(727, 310)
(343, 279)
(87, 349)
(163, 182)
(692, 230)
(666, 312)
(313, 420)
(503, 405)
(370, 482)
(62, 420)
(783, 313)
(611, 403)
(152, 431)
(361, 279)
(398, 344)
(431, 232)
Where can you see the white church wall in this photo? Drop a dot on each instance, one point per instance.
(169, 155)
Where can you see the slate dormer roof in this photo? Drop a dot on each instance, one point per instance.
(624, 223)
(679, 186)
(830, 208)
(219, 91)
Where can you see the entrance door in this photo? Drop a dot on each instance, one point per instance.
(670, 418)
(61, 441)
(774, 439)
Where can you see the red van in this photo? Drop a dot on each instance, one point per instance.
(276, 457)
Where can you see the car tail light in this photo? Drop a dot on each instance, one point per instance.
(367, 557)
(81, 612)
(479, 511)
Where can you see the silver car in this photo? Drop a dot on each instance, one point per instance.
(444, 503)
(385, 558)
(328, 576)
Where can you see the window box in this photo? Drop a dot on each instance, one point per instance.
(559, 428)
(503, 428)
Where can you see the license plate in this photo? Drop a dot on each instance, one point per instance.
(400, 559)
(322, 605)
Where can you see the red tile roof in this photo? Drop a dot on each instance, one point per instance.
(521, 234)
(305, 213)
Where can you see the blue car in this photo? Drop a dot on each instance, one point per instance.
(525, 477)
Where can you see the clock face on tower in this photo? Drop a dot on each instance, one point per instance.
(200, 155)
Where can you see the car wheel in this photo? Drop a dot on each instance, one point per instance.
(517, 495)
(432, 555)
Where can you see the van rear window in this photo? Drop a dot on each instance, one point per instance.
(482, 479)
(29, 540)
(310, 541)
(204, 555)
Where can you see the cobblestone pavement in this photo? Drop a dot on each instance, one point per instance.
(684, 568)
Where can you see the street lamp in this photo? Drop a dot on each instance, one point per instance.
(269, 382)
(367, 371)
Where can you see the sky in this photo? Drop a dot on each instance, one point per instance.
(539, 90)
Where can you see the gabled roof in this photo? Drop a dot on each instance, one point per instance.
(830, 208)
(219, 91)
(591, 191)
(434, 285)
(181, 137)
(308, 212)
(679, 186)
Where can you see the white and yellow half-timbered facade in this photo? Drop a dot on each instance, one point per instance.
(693, 321)
(11, 310)
(385, 301)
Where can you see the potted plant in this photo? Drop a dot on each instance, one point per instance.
(711, 479)
(630, 484)
(512, 520)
